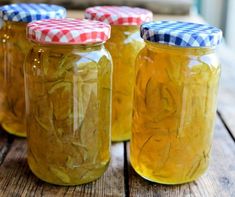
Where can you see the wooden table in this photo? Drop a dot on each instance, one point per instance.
(120, 179)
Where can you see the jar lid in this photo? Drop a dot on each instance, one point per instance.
(68, 31)
(182, 34)
(27, 12)
(119, 15)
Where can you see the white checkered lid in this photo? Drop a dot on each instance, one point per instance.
(28, 12)
(182, 34)
(119, 15)
(68, 31)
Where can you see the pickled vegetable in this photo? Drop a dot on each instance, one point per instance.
(68, 112)
(124, 45)
(174, 112)
(12, 103)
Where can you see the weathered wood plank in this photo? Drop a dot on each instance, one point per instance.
(5, 143)
(16, 178)
(3, 138)
(219, 180)
(226, 101)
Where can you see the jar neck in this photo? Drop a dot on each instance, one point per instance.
(15, 25)
(79, 47)
(122, 29)
(126, 27)
(158, 47)
(13, 30)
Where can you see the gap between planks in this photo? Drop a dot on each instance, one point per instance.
(6, 141)
(126, 170)
(226, 125)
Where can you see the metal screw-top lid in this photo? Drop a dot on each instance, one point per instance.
(28, 12)
(68, 31)
(119, 15)
(182, 34)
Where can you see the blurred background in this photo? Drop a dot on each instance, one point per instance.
(220, 13)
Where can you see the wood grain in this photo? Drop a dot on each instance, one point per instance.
(219, 180)
(226, 102)
(16, 178)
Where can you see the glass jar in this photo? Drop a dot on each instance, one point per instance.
(124, 45)
(15, 45)
(177, 75)
(68, 100)
(1, 38)
(1, 68)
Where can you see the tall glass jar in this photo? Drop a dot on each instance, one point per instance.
(177, 76)
(15, 47)
(2, 95)
(68, 76)
(124, 45)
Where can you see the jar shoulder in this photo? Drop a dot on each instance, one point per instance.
(55, 64)
(75, 55)
(189, 58)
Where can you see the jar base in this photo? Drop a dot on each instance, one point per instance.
(38, 175)
(13, 131)
(159, 181)
(121, 138)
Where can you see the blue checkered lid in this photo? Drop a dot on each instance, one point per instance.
(182, 34)
(28, 12)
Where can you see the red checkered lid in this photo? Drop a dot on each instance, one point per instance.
(119, 15)
(68, 31)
